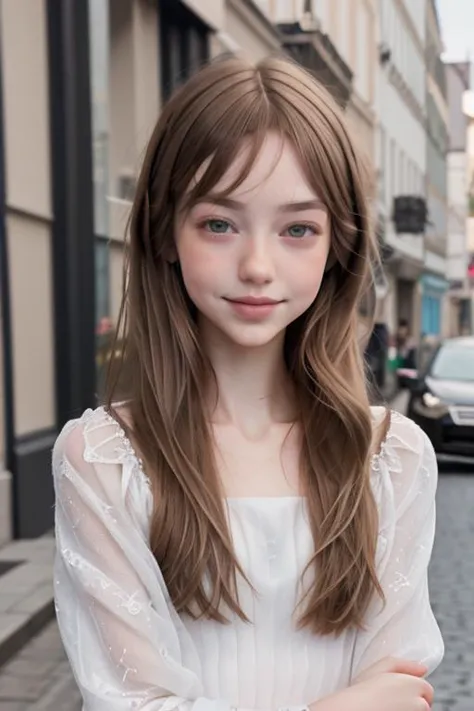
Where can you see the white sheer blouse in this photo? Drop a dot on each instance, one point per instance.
(128, 647)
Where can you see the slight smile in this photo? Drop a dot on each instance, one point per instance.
(253, 308)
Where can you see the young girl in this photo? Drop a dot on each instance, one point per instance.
(245, 531)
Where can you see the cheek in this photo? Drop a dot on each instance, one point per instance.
(306, 276)
(201, 267)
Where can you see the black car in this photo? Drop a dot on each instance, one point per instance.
(442, 400)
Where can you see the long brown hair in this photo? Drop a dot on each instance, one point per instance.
(204, 124)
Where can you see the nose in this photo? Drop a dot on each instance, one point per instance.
(256, 263)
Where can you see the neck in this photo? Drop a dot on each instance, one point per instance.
(253, 386)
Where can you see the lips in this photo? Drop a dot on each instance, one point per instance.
(254, 300)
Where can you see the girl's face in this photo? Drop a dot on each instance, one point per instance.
(253, 262)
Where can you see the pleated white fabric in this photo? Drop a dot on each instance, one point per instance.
(128, 647)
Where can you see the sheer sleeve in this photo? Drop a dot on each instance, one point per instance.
(127, 646)
(406, 480)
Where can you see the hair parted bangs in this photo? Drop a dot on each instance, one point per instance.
(223, 115)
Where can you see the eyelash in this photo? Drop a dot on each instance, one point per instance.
(308, 225)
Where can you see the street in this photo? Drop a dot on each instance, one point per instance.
(452, 591)
(39, 679)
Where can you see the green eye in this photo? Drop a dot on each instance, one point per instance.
(299, 230)
(218, 227)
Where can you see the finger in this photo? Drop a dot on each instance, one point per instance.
(405, 666)
(428, 693)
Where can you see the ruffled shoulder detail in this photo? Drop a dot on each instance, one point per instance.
(387, 454)
(105, 442)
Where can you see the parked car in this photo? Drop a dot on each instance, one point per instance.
(442, 399)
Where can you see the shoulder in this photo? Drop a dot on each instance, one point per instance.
(95, 449)
(95, 436)
(402, 435)
(406, 461)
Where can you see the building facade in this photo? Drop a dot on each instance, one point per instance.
(47, 253)
(434, 282)
(401, 156)
(460, 301)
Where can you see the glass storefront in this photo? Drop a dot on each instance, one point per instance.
(99, 72)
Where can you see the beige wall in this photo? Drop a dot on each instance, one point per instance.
(134, 104)
(134, 99)
(28, 224)
(31, 307)
(252, 36)
(360, 110)
(212, 12)
(25, 84)
(28, 196)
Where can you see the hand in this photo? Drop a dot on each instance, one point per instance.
(378, 689)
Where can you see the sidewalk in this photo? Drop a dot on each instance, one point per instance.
(26, 590)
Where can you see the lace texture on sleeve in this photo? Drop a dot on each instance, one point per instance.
(405, 480)
(126, 644)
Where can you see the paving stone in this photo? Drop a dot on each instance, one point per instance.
(13, 706)
(7, 602)
(9, 623)
(452, 592)
(21, 667)
(36, 600)
(14, 688)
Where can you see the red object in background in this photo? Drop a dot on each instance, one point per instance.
(105, 326)
(470, 269)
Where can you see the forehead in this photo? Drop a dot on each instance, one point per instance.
(276, 171)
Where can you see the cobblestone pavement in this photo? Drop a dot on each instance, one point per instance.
(39, 679)
(452, 592)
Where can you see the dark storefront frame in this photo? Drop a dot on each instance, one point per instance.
(72, 189)
(7, 355)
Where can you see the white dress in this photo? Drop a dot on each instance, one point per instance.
(128, 647)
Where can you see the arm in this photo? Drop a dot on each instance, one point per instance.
(126, 644)
(405, 627)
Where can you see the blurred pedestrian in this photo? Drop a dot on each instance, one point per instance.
(406, 345)
(377, 356)
(245, 531)
(406, 352)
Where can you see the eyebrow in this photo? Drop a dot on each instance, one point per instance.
(300, 206)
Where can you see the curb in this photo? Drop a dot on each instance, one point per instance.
(26, 592)
(24, 629)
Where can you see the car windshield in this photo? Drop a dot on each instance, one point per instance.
(454, 363)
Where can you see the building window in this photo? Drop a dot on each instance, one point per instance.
(184, 44)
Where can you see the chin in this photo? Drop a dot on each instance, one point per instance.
(253, 337)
